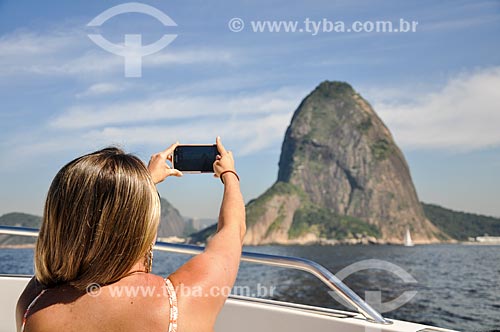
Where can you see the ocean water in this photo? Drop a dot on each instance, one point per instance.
(457, 286)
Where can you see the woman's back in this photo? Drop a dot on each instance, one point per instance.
(139, 302)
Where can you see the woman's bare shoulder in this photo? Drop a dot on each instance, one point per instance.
(129, 304)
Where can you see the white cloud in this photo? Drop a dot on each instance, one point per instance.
(22, 43)
(249, 123)
(67, 51)
(246, 135)
(192, 57)
(179, 107)
(462, 116)
(99, 89)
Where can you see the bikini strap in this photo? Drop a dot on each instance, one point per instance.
(26, 313)
(174, 311)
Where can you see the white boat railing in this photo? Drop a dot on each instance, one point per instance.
(296, 263)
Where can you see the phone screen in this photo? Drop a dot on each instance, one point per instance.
(195, 158)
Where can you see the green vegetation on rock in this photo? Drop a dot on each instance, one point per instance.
(275, 225)
(365, 125)
(322, 124)
(328, 224)
(461, 225)
(381, 149)
(257, 207)
(330, 89)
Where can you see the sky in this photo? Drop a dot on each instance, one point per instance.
(437, 88)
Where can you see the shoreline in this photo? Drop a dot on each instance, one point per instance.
(346, 242)
(18, 246)
(475, 243)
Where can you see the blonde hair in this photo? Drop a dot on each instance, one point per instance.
(101, 216)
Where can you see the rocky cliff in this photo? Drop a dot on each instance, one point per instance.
(341, 175)
(171, 221)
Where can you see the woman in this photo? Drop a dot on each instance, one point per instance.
(99, 225)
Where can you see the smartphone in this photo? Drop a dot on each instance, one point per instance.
(195, 158)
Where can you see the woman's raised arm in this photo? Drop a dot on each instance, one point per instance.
(205, 281)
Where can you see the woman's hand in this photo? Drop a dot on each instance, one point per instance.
(158, 166)
(224, 160)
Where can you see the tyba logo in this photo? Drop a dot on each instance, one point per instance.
(374, 298)
(132, 50)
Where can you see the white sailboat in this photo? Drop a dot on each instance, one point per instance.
(407, 241)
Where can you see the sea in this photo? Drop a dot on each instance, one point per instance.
(452, 286)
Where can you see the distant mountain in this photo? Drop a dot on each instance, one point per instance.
(461, 225)
(194, 225)
(171, 221)
(198, 224)
(19, 220)
(171, 224)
